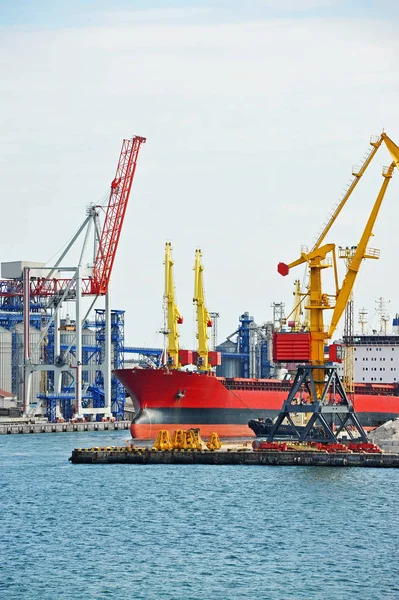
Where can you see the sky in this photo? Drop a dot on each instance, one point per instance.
(254, 113)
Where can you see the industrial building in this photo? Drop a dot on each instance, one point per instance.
(45, 399)
(247, 352)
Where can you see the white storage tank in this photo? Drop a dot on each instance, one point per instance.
(231, 365)
(68, 338)
(89, 358)
(5, 359)
(18, 362)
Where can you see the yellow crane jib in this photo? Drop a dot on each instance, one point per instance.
(361, 252)
(173, 316)
(357, 172)
(203, 317)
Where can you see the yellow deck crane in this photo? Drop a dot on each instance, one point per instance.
(203, 317)
(173, 317)
(318, 377)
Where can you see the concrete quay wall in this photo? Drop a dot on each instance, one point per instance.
(43, 427)
(128, 455)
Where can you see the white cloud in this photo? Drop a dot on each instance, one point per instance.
(252, 131)
(296, 5)
(152, 15)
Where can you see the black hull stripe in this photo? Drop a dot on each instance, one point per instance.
(232, 416)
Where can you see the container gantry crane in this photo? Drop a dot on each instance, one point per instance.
(172, 314)
(318, 377)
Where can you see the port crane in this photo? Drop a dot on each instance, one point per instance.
(317, 377)
(173, 317)
(47, 287)
(203, 317)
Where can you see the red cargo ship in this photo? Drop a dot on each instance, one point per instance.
(175, 399)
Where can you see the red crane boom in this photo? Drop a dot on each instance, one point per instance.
(116, 210)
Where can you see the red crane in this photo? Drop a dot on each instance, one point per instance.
(116, 210)
(110, 234)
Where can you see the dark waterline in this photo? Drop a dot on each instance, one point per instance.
(131, 532)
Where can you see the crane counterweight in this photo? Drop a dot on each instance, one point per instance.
(283, 269)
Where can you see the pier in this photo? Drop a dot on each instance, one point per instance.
(67, 427)
(146, 456)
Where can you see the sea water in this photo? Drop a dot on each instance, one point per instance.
(132, 532)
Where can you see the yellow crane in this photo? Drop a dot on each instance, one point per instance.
(317, 390)
(317, 261)
(173, 317)
(203, 317)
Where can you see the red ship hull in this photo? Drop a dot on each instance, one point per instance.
(181, 400)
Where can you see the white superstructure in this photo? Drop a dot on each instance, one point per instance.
(376, 358)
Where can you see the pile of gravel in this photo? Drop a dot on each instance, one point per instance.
(387, 431)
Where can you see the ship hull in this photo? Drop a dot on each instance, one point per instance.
(225, 422)
(180, 400)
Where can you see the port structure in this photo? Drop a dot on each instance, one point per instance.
(214, 330)
(319, 374)
(327, 415)
(42, 290)
(247, 352)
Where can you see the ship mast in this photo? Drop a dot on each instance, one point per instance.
(203, 317)
(363, 319)
(383, 315)
(298, 306)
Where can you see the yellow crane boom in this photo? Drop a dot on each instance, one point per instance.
(173, 316)
(360, 253)
(203, 318)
